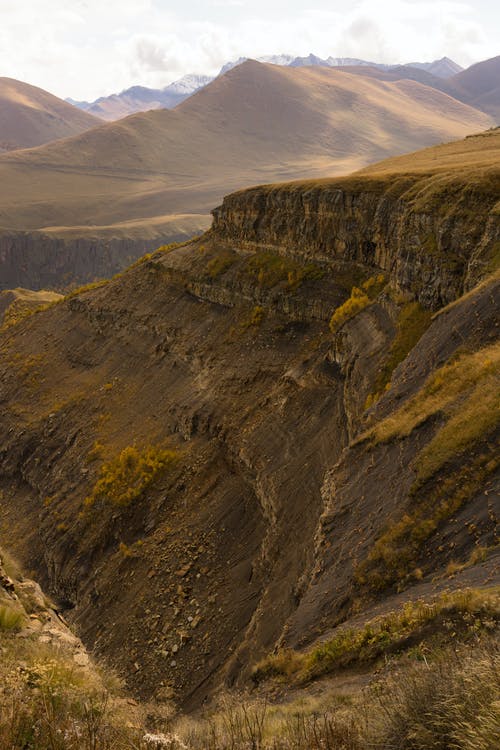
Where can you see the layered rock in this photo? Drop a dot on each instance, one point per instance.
(431, 254)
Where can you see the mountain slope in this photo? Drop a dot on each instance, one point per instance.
(252, 469)
(443, 68)
(257, 123)
(30, 116)
(479, 86)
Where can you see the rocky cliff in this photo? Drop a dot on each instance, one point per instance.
(432, 251)
(259, 434)
(41, 261)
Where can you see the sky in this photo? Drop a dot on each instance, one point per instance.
(89, 48)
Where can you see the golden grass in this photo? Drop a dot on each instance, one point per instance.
(359, 299)
(21, 303)
(465, 392)
(393, 557)
(470, 611)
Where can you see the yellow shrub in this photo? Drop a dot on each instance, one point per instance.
(351, 307)
(125, 478)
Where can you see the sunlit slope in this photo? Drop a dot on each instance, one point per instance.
(30, 116)
(257, 123)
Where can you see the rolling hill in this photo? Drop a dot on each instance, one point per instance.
(30, 116)
(256, 123)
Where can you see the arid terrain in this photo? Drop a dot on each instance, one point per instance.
(277, 431)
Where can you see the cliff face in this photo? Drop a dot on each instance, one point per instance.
(430, 252)
(200, 468)
(35, 260)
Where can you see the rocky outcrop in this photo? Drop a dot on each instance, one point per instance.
(430, 253)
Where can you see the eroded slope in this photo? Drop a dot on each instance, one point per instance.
(201, 462)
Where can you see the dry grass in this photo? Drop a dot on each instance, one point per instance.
(359, 299)
(469, 611)
(451, 704)
(126, 477)
(465, 391)
(449, 701)
(21, 303)
(394, 557)
(11, 617)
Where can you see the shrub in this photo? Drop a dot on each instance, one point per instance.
(351, 307)
(126, 477)
(359, 299)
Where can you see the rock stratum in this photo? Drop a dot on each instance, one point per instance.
(250, 439)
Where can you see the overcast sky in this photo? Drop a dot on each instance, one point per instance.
(89, 48)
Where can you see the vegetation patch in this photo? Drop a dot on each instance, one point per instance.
(270, 270)
(11, 618)
(465, 391)
(221, 263)
(394, 556)
(125, 478)
(412, 323)
(360, 298)
(466, 612)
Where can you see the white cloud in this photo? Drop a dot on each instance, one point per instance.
(87, 48)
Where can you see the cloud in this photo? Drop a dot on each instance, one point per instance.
(88, 48)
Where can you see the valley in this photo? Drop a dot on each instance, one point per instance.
(249, 389)
(345, 326)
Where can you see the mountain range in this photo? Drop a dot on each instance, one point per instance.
(156, 175)
(141, 98)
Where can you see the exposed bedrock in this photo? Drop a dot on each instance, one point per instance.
(434, 254)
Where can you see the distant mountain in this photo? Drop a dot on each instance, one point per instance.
(443, 68)
(479, 86)
(142, 99)
(30, 116)
(257, 123)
